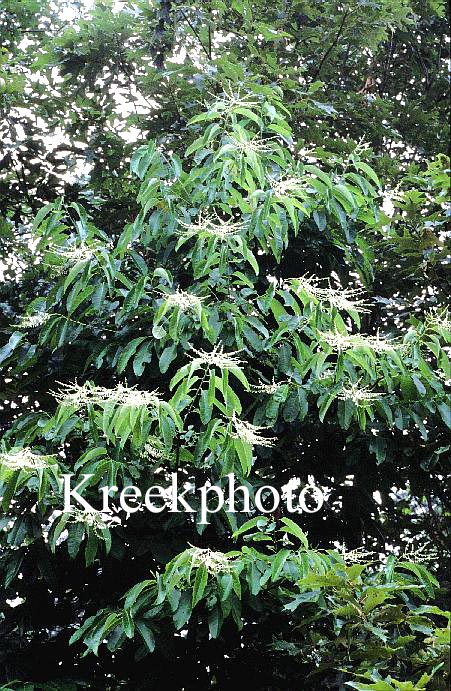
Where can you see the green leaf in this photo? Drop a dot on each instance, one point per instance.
(248, 525)
(92, 544)
(143, 356)
(127, 353)
(183, 611)
(325, 405)
(445, 412)
(167, 356)
(75, 536)
(146, 634)
(205, 409)
(293, 528)
(360, 165)
(128, 624)
(214, 622)
(9, 348)
(200, 583)
(278, 563)
(135, 592)
(309, 596)
(244, 451)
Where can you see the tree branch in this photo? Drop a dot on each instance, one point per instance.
(332, 46)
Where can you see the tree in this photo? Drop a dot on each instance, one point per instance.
(196, 340)
(245, 270)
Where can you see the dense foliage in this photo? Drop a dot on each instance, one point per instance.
(235, 262)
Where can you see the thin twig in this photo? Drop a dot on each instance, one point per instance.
(196, 34)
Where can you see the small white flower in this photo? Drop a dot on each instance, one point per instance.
(26, 459)
(74, 254)
(250, 434)
(341, 342)
(211, 225)
(359, 395)
(96, 520)
(82, 395)
(183, 300)
(216, 358)
(281, 187)
(341, 298)
(440, 318)
(214, 562)
(34, 321)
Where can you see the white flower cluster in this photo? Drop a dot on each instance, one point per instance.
(84, 394)
(419, 553)
(26, 459)
(358, 394)
(231, 100)
(281, 187)
(250, 434)
(34, 321)
(341, 298)
(74, 254)
(183, 300)
(216, 358)
(154, 451)
(266, 388)
(342, 342)
(314, 656)
(252, 146)
(213, 226)
(440, 318)
(356, 556)
(444, 377)
(151, 451)
(214, 562)
(96, 520)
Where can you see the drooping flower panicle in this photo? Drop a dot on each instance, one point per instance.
(250, 434)
(81, 395)
(281, 187)
(358, 394)
(216, 358)
(348, 299)
(26, 459)
(96, 520)
(214, 562)
(183, 300)
(213, 226)
(342, 342)
(33, 321)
